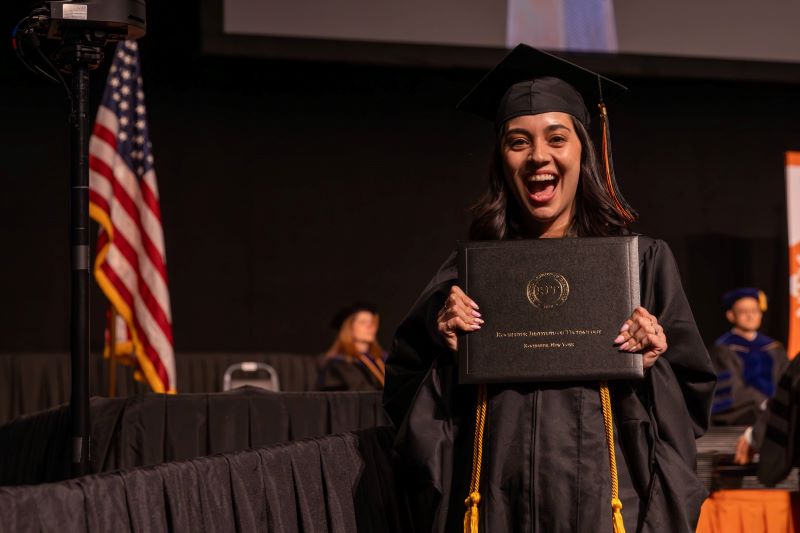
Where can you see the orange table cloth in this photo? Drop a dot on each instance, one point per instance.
(750, 511)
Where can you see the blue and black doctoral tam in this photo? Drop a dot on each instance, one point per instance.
(733, 296)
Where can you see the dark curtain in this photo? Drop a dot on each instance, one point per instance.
(341, 483)
(33, 382)
(153, 428)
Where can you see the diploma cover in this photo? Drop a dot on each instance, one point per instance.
(552, 309)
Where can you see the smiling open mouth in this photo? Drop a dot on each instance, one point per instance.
(541, 187)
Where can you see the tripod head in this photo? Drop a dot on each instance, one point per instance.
(112, 20)
(79, 30)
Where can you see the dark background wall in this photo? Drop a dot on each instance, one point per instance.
(290, 188)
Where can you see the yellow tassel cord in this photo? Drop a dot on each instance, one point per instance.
(607, 166)
(474, 498)
(608, 422)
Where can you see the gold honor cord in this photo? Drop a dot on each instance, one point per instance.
(474, 498)
(608, 422)
(610, 185)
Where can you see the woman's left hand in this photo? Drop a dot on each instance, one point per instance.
(642, 333)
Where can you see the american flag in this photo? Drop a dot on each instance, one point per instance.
(130, 265)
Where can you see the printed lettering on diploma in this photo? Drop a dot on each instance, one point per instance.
(549, 339)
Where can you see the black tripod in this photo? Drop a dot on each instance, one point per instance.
(80, 52)
(82, 32)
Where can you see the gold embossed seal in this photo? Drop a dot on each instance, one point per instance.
(548, 290)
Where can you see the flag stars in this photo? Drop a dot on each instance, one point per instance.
(123, 120)
(125, 90)
(124, 105)
(114, 82)
(140, 109)
(140, 96)
(116, 97)
(126, 74)
(140, 125)
(123, 136)
(149, 159)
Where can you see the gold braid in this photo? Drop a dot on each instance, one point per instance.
(608, 422)
(474, 498)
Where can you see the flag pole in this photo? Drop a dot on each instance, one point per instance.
(112, 354)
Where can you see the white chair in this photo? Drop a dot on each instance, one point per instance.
(259, 375)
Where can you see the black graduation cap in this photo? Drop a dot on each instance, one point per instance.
(343, 313)
(529, 81)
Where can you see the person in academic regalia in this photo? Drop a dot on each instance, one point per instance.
(748, 366)
(747, 362)
(546, 457)
(355, 360)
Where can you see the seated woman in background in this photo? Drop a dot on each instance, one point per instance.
(355, 360)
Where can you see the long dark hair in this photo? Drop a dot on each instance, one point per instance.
(497, 215)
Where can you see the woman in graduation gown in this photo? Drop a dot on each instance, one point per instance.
(355, 361)
(542, 458)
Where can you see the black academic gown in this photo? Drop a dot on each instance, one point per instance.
(546, 466)
(777, 430)
(340, 374)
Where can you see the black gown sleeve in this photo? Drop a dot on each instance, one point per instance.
(684, 372)
(422, 398)
(417, 345)
(672, 405)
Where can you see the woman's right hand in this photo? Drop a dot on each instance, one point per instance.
(459, 314)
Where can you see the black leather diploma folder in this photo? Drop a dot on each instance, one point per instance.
(552, 308)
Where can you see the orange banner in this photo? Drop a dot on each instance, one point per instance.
(793, 220)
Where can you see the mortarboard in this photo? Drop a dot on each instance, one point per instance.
(343, 313)
(731, 297)
(529, 82)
